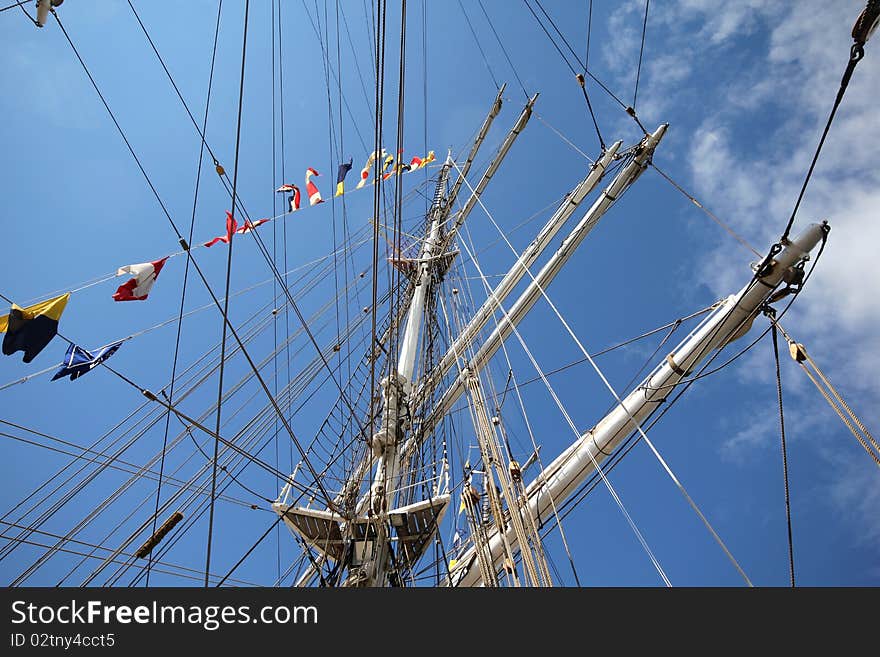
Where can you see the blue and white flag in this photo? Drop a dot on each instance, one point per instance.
(78, 361)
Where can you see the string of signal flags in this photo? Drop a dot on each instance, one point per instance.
(31, 328)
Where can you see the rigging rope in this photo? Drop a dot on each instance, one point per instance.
(589, 32)
(283, 178)
(192, 224)
(324, 42)
(90, 555)
(710, 214)
(857, 52)
(602, 352)
(224, 177)
(33, 20)
(568, 419)
(619, 401)
(641, 52)
(800, 355)
(56, 506)
(154, 460)
(356, 59)
(317, 32)
(247, 5)
(275, 184)
(275, 524)
(347, 430)
(377, 170)
(534, 523)
(397, 209)
(14, 5)
(568, 141)
(187, 314)
(116, 464)
(579, 77)
(180, 237)
(503, 49)
(479, 47)
(583, 65)
(345, 230)
(194, 517)
(198, 425)
(784, 451)
(331, 413)
(634, 439)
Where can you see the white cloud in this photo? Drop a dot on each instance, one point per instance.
(754, 435)
(856, 491)
(756, 193)
(772, 69)
(838, 315)
(761, 430)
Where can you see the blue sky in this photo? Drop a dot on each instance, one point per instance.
(745, 87)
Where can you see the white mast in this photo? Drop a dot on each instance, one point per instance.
(729, 321)
(364, 541)
(462, 214)
(481, 136)
(396, 389)
(526, 259)
(430, 248)
(532, 293)
(386, 441)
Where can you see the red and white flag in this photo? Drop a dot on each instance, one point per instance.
(311, 189)
(138, 288)
(231, 227)
(293, 200)
(365, 172)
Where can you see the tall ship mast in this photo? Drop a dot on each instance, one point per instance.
(357, 413)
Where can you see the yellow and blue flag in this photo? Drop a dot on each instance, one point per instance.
(31, 329)
(344, 168)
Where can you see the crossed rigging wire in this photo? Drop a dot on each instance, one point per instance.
(236, 203)
(620, 403)
(574, 428)
(174, 227)
(247, 6)
(186, 267)
(380, 49)
(684, 385)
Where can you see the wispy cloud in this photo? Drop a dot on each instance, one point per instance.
(856, 492)
(723, 73)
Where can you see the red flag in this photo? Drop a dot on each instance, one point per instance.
(231, 227)
(138, 288)
(251, 225)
